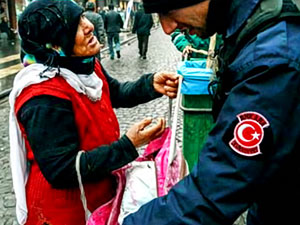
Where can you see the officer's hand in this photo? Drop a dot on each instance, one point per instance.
(141, 133)
(166, 83)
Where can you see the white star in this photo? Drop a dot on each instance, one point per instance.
(255, 135)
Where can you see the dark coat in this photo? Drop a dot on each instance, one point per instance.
(113, 22)
(142, 23)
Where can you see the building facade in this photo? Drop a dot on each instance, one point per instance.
(15, 7)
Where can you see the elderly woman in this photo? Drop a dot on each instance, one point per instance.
(62, 102)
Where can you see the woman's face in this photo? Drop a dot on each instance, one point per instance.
(86, 44)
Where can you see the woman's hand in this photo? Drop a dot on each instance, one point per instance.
(166, 83)
(141, 133)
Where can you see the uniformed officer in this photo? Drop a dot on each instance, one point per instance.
(251, 157)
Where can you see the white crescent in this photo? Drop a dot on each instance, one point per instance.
(241, 130)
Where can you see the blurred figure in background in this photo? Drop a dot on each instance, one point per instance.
(2, 10)
(186, 42)
(98, 23)
(142, 25)
(113, 24)
(101, 12)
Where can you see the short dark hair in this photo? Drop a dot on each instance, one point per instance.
(90, 6)
(111, 7)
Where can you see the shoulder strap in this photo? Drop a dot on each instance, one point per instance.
(267, 14)
(82, 193)
(267, 10)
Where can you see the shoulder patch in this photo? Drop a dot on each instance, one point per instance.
(249, 133)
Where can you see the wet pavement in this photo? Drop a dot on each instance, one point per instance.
(162, 55)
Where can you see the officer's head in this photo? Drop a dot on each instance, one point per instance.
(185, 14)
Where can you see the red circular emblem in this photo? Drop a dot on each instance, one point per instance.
(248, 133)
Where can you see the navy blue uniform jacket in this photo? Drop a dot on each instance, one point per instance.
(261, 111)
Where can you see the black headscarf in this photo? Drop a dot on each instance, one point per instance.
(53, 22)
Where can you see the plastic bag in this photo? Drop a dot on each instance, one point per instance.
(196, 77)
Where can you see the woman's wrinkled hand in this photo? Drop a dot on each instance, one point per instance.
(166, 83)
(143, 132)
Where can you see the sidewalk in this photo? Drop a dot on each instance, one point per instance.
(10, 63)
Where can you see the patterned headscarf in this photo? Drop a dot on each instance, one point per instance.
(48, 23)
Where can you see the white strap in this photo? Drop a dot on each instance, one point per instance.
(170, 113)
(172, 152)
(82, 194)
(212, 45)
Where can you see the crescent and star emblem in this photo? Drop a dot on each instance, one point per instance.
(249, 133)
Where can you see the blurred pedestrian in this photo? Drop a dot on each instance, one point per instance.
(6, 30)
(61, 103)
(142, 25)
(113, 24)
(102, 13)
(186, 42)
(98, 23)
(3, 10)
(182, 40)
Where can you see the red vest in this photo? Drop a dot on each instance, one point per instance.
(97, 125)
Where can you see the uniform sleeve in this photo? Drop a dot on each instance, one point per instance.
(51, 131)
(129, 94)
(228, 178)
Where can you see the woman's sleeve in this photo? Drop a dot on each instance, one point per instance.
(131, 93)
(52, 134)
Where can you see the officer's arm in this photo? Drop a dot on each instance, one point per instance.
(229, 177)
